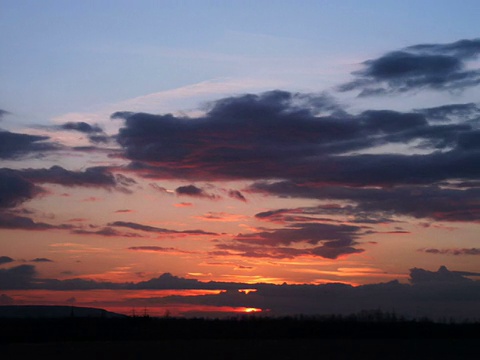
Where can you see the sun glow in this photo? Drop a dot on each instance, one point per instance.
(252, 310)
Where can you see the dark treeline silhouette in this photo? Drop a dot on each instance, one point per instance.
(367, 324)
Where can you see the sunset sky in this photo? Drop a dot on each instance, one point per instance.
(221, 157)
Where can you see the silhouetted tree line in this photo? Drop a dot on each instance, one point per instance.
(368, 324)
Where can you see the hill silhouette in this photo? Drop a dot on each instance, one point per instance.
(51, 311)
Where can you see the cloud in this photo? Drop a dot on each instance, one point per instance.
(11, 221)
(18, 277)
(452, 112)
(147, 228)
(425, 66)
(81, 126)
(94, 132)
(41, 260)
(193, 191)
(158, 249)
(235, 194)
(305, 146)
(273, 136)
(454, 251)
(441, 294)
(336, 240)
(434, 202)
(93, 176)
(5, 260)
(302, 232)
(106, 231)
(123, 211)
(15, 146)
(221, 216)
(443, 275)
(14, 189)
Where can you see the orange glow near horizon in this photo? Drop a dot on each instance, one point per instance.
(252, 310)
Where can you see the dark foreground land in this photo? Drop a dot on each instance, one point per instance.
(239, 338)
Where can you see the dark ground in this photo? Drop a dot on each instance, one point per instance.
(246, 338)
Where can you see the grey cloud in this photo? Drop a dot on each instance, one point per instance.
(267, 137)
(18, 277)
(452, 112)
(278, 136)
(311, 233)
(192, 190)
(94, 132)
(106, 231)
(432, 66)
(435, 202)
(94, 176)
(39, 260)
(454, 251)
(81, 127)
(11, 221)
(336, 240)
(5, 260)
(14, 146)
(14, 189)
(443, 275)
(154, 229)
(235, 194)
(441, 294)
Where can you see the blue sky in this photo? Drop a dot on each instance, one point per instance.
(71, 56)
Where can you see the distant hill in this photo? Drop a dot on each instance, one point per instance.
(47, 311)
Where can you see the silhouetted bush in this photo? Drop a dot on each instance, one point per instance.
(363, 325)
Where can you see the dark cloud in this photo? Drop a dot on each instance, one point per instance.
(41, 260)
(18, 277)
(435, 202)
(443, 275)
(441, 294)
(274, 136)
(452, 112)
(159, 249)
(106, 231)
(94, 176)
(235, 194)
(152, 248)
(11, 221)
(336, 240)
(432, 66)
(455, 251)
(5, 260)
(192, 190)
(18, 186)
(94, 132)
(81, 127)
(318, 213)
(240, 137)
(14, 146)
(14, 189)
(303, 232)
(147, 228)
(268, 136)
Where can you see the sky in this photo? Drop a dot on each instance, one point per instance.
(210, 158)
